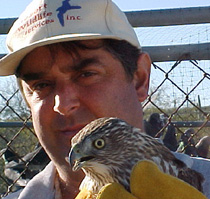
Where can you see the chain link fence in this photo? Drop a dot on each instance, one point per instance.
(20, 152)
(177, 111)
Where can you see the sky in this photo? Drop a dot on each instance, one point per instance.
(148, 36)
(15, 7)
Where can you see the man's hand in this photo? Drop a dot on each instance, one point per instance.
(148, 182)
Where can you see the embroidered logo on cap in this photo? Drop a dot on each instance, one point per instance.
(63, 9)
(36, 19)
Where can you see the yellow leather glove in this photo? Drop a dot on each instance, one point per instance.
(151, 184)
(84, 194)
(110, 191)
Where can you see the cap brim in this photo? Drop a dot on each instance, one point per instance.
(11, 61)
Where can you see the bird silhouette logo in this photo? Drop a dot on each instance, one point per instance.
(63, 9)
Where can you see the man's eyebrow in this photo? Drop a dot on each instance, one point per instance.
(32, 76)
(81, 64)
(76, 67)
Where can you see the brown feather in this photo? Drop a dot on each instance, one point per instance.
(124, 147)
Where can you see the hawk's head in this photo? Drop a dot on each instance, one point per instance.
(102, 149)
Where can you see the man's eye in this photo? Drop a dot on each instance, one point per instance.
(40, 86)
(87, 74)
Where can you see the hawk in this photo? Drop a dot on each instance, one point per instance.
(108, 148)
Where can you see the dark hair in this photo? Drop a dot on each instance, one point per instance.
(126, 53)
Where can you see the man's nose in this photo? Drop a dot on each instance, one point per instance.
(66, 101)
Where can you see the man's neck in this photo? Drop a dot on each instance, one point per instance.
(69, 185)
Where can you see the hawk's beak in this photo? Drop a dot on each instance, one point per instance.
(74, 157)
(77, 159)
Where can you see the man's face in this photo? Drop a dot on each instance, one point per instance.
(66, 91)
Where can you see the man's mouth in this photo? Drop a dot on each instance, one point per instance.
(71, 131)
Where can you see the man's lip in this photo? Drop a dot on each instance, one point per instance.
(71, 131)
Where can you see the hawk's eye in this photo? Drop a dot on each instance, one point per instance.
(99, 143)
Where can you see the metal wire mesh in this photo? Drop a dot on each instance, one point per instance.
(177, 109)
(183, 114)
(184, 107)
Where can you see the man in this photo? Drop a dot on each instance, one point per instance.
(70, 73)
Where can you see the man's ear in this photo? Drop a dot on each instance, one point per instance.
(142, 76)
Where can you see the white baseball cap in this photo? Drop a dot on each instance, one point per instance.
(50, 21)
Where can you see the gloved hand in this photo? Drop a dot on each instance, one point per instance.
(110, 191)
(151, 184)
